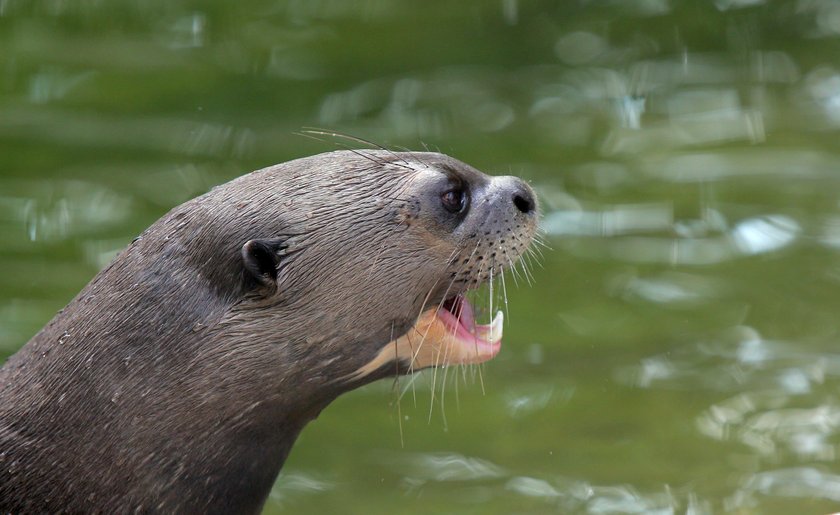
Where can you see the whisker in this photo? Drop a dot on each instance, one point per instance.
(373, 159)
(412, 379)
(513, 270)
(529, 261)
(443, 391)
(492, 265)
(336, 134)
(478, 367)
(440, 305)
(397, 386)
(423, 337)
(536, 249)
(412, 152)
(527, 273)
(481, 378)
(457, 393)
(524, 265)
(534, 258)
(437, 356)
(539, 240)
(504, 296)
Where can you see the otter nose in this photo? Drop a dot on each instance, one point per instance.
(515, 190)
(523, 199)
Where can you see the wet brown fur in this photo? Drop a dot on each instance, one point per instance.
(179, 378)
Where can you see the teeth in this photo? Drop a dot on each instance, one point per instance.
(491, 332)
(496, 327)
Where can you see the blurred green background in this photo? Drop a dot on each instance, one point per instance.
(679, 348)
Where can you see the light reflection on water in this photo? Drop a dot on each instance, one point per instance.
(677, 353)
(768, 233)
(59, 210)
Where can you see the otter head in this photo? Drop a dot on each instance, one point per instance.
(184, 370)
(363, 269)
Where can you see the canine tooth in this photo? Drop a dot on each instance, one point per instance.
(496, 327)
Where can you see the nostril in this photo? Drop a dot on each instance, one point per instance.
(523, 202)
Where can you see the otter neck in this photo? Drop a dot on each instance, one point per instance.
(230, 408)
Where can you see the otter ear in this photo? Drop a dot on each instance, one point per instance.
(261, 258)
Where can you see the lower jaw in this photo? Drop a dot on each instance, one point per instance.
(438, 339)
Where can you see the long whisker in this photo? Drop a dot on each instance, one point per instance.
(533, 257)
(522, 262)
(538, 240)
(457, 393)
(479, 368)
(440, 305)
(443, 389)
(412, 152)
(540, 243)
(397, 386)
(312, 135)
(528, 263)
(492, 266)
(437, 356)
(412, 379)
(336, 134)
(504, 295)
(423, 336)
(514, 272)
(446, 370)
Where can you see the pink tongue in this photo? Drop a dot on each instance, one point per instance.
(466, 315)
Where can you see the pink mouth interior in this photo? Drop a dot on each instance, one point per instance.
(458, 316)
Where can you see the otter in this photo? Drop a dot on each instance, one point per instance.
(180, 376)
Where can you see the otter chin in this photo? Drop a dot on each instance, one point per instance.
(179, 378)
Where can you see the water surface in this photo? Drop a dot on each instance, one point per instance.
(678, 350)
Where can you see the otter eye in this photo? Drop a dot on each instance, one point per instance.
(454, 200)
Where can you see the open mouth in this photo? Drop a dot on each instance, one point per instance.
(451, 335)
(459, 317)
(448, 335)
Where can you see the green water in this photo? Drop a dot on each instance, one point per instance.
(679, 348)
